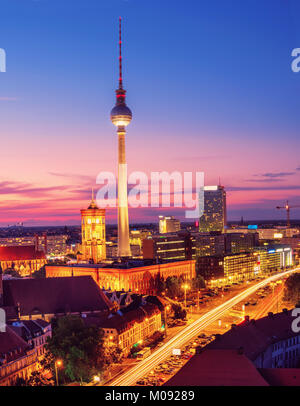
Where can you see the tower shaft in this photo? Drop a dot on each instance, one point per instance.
(123, 223)
(121, 116)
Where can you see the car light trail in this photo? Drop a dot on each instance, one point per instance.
(131, 376)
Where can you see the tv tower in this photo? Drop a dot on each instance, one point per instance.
(121, 116)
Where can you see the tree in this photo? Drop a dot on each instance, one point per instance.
(173, 286)
(71, 256)
(38, 379)
(20, 382)
(82, 349)
(292, 289)
(179, 312)
(135, 349)
(160, 284)
(12, 272)
(41, 273)
(198, 283)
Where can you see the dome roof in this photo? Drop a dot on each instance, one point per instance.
(120, 110)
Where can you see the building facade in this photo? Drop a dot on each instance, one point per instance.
(214, 216)
(23, 259)
(131, 328)
(138, 278)
(168, 224)
(236, 243)
(167, 247)
(93, 246)
(228, 269)
(209, 244)
(273, 258)
(34, 332)
(17, 359)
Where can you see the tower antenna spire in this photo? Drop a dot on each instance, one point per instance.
(121, 116)
(120, 54)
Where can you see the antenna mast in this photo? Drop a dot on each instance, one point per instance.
(120, 55)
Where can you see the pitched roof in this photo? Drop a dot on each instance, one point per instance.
(122, 322)
(11, 345)
(255, 336)
(281, 376)
(28, 329)
(19, 252)
(218, 368)
(54, 295)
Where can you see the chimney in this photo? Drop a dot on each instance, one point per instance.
(285, 310)
(270, 314)
(247, 318)
(233, 326)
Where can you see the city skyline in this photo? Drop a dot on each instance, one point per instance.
(233, 98)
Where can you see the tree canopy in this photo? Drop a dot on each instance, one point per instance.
(41, 273)
(82, 349)
(198, 283)
(292, 289)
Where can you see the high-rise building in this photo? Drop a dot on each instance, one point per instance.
(93, 233)
(168, 225)
(236, 243)
(214, 215)
(121, 116)
(167, 247)
(209, 244)
(221, 270)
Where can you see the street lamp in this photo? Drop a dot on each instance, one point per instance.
(166, 316)
(185, 287)
(58, 363)
(96, 379)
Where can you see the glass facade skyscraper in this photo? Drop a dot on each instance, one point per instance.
(214, 215)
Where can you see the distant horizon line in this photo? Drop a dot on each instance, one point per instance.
(147, 222)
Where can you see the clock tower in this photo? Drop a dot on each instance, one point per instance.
(93, 233)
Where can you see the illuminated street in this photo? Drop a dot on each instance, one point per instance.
(131, 376)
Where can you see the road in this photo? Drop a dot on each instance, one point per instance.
(271, 304)
(142, 368)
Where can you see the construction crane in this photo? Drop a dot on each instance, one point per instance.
(287, 207)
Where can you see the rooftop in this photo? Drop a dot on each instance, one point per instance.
(254, 336)
(128, 264)
(218, 368)
(53, 295)
(11, 345)
(17, 252)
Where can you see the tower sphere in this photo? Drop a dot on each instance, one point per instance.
(121, 115)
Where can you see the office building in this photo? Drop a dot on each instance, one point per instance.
(168, 225)
(273, 258)
(227, 269)
(214, 206)
(236, 243)
(209, 244)
(172, 246)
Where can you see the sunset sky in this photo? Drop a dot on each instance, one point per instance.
(209, 83)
